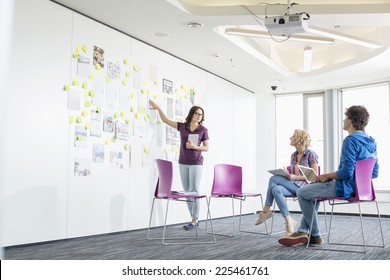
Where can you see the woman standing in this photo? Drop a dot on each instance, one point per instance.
(190, 156)
(279, 187)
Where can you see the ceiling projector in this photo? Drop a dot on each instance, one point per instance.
(286, 25)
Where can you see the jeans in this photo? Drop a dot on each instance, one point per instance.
(278, 188)
(306, 196)
(190, 178)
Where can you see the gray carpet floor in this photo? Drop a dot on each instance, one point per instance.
(133, 245)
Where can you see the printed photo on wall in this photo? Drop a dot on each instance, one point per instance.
(170, 108)
(80, 136)
(98, 56)
(179, 108)
(98, 153)
(83, 66)
(172, 136)
(116, 159)
(167, 86)
(121, 130)
(108, 123)
(96, 123)
(82, 167)
(114, 70)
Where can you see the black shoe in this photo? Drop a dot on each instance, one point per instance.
(316, 241)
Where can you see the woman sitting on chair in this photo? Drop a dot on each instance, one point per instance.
(279, 186)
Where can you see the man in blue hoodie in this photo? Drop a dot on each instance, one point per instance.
(356, 146)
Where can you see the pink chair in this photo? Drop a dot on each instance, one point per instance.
(364, 192)
(228, 184)
(294, 198)
(164, 191)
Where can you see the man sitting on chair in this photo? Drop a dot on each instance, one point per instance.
(356, 146)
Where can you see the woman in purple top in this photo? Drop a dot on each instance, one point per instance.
(190, 157)
(279, 187)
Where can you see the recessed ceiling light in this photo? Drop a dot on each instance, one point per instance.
(194, 24)
(161, 34)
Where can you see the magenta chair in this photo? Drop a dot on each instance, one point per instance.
(294, 198)
(164, 191)
(228, 184)
(364, 192)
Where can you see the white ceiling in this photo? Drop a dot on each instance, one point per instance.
(337, 65)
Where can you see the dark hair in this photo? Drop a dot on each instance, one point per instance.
(191, 114)
(359, 116)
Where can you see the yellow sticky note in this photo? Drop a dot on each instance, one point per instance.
(155, 82)
(127, 121)
(116, 115)
(132, 95)
(72, 119)
(85, 48)
(127, 74)
(78, 48)
(135, 68)
(86, 93)
(123, 114)
(75, 82)
(124, 82)
(132, 109)
(84, 113)
(108, 79)
(98, 109)
(79, 137)
(84, 85)
(98, 67)
(165, 149)
(87, 125)
(125, 61)
(142, 90)
(148, 91)
(146, 118)
(75, 55)
(146, 150)
(126, 147)
(159, 122)
(87, 103)
(91, 93)
(66, 87)
(136, 115)
(79, 119)
(155, 96)
(107, 141)
(91, 76)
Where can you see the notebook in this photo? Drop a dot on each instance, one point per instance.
(309, 174)
(279, 171)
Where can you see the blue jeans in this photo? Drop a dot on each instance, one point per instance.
(190, 178)
(306, 195)
(278, 188)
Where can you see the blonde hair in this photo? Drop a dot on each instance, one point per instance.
(302, 139)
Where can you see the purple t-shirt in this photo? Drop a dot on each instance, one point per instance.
(189, 156)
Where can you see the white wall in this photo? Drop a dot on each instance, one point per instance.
(43, 199)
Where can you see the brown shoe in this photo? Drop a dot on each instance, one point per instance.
(263, 217)
(294, 239)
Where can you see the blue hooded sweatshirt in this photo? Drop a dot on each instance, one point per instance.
(356, 146)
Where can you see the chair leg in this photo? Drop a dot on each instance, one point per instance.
(150, 220)
(254, 232)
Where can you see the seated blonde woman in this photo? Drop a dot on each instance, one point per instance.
(279, 187)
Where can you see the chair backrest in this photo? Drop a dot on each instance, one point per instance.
(364, 188)
(227, 179)
(165, 177)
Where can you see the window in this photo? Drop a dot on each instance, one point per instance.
(302, 111)
(376, 99)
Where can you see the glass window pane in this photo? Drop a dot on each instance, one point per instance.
(376, 100)
(315, 120)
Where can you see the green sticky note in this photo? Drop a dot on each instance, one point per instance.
(125, 61)
(79, 119)
(116, 115)
(127, 74)
(84, 85)
(135, 68)
(91, 93)
(142, 90)
(155, 83)
(132, 109)
(79, 137)
(66, 87)
(127, 121)
(85, 48)
(87, 125)
(75, 82)
(75, 55)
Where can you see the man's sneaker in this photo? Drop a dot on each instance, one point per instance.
(191, 226)
(294, 239)
(316, 241)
